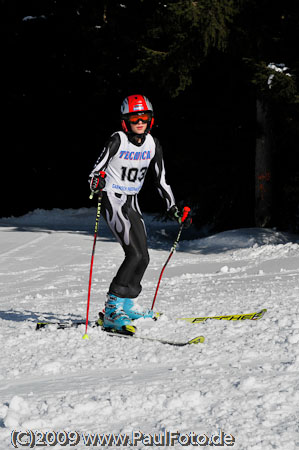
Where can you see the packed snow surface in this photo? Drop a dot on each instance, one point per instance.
(242, 381)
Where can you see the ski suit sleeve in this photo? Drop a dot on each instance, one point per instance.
(157, 165)
(107, 154)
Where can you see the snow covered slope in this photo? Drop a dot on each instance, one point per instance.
(242, 382)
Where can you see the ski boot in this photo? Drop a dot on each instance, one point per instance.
(134, 311)
(115, 319)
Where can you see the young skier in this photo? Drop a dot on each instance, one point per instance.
(125, 160)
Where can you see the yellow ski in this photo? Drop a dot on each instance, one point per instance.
(250, 316)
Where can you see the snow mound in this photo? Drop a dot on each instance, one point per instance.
(68, 219)
(243, 238)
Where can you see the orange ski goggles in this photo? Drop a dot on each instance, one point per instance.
(135, 118)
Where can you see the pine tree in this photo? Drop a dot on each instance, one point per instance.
(264, 35)
(178, 36)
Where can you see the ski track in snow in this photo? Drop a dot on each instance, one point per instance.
(243, 380)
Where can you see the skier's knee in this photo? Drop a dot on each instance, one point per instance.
(139, 259)
(143, 260)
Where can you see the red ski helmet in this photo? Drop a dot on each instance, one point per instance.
(136, 104)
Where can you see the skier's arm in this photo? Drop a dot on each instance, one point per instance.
(157, 165)
(97, 176)
(107, 154)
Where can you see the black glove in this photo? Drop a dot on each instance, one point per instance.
(175, 214)
(97, 182)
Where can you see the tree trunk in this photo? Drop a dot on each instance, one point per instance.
(263, 172)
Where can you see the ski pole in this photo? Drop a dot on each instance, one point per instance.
(186, 211)
(102, 174)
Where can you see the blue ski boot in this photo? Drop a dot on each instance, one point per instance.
(115, 318)
(134, 311)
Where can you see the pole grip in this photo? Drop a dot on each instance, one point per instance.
(102, 175)
(186, 211)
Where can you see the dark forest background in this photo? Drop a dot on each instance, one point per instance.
(228, 122)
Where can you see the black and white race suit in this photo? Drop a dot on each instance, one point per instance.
(125, 164)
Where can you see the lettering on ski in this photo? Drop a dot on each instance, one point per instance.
(250, 316)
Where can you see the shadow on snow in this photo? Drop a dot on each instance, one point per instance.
(31, 316)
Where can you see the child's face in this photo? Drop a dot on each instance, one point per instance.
(139, 127)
